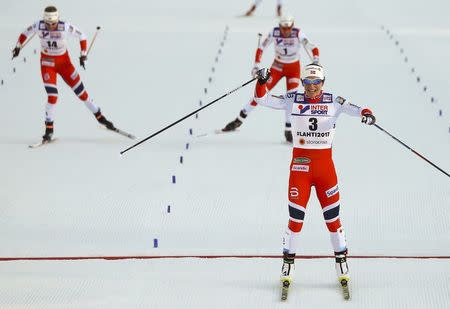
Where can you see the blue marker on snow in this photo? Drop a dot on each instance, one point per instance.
(181, 159)
(174, 180)
(168, 209)
(155, 243)
(187, 146)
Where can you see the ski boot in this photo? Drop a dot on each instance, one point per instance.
(102, 120)
(47, 137)
(236, 123)
(288, 264)
(342, 272)
(288, 133)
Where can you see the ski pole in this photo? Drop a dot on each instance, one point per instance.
(259, 39)
(415, 152)
(93, 40)
(187, 116)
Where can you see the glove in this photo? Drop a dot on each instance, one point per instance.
(316, 60)
(15, 52)
(263, 75)
(83, 59)
(368, 119)
(255, 69)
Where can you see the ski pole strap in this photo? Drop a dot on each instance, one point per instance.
(187, 116)
(415, 152)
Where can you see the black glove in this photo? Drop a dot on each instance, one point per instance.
(82, 61)
(263, 76)
(368, 119)
(15, 52)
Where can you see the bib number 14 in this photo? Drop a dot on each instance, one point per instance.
(52, 44)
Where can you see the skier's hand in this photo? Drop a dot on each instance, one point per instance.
(263, 75)
(15, 52)
(255, 69)
(83, 59)
(368, 118)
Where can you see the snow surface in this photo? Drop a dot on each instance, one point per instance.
(150, 65)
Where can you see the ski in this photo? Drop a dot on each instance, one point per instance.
(42, 143)
(217, 131)
(345, 289)
(121, 132)
(285, 283)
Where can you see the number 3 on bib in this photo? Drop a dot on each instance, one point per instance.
(313, 125)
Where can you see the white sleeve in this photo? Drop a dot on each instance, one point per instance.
(347, 107)
(27, 33)
(31, 29)
(75, 32)
(267, 41)
(273, 101)
(306, 42)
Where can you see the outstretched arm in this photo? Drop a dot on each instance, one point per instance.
(262, 95)
(348, 108)
(31, 30)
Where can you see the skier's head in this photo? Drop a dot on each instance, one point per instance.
(286, 23)
(313, 79)
(51, 17)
